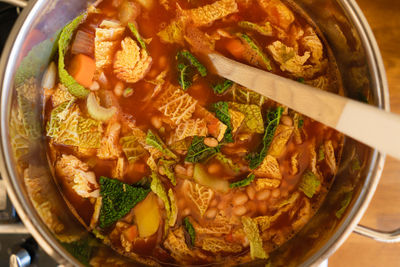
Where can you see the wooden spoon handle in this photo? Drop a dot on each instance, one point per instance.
(370, 125)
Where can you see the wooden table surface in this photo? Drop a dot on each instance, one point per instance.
(384, 211)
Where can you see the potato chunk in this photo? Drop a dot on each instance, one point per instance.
(147, 216)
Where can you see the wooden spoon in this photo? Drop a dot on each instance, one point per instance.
(368, 124)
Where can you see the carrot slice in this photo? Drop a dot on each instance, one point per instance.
(131, 233)
(139, 167)
(82, 68)
(236, 48)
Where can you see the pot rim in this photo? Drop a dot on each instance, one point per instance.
(53, 247)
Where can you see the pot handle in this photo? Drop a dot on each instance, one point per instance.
(18, 3)
(378, 235)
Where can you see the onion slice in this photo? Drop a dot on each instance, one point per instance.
(98, 112)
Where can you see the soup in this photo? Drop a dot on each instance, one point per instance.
(165, 161)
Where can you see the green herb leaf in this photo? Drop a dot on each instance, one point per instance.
(273, 118)
(118, 199)
(187, 66)
(309, 184)
(221, 110)
(190, 229)
(344, 204)
(156, 142)
(65, 38)
(265, 29)
(257, 50)
(200, 152)
(355, 165)
(136, 33)
(222, 87)
(185, 78)
(301, 80)
(245, 182)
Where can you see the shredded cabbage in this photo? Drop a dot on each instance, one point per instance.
(66, 35)
(157, 187)
(156, 142)
(167, 167)
(68, 127)
(253, 235)
(253, 120)
(132, 148)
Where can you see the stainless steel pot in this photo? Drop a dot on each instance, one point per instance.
(23, 153)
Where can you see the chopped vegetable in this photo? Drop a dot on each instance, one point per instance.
(253, 235)
(82, 69)
(309, 184)
(321, 153)
(66, 126)
(222, 113)
(190, 230)
(174, 208)
(187, 66)
(227, 162)
(265, 29)
(236, 48)
(136, 33)
(158, 188)
(156, 142)
(201, 176)
(355, 164)
(253, 120)
(166, 165)
(66, 35)
(147, 216)
(245, 182)
(98, 112)
(132, 148)
(273, 118)
(301, 80)
(344, 204)
(257, 50)
(128, 92)
(242, 95)
(118, 199)
(200, 152)
(82, 249)
(131, 233)
(221, 88)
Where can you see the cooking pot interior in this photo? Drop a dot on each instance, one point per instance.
(31, 47)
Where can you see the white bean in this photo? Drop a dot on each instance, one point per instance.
(156, 122)
(276, 193)
(94, 86)
(211, 142)
(189, 169)
(263, 195)
(119, 88)
(214, 168)
(211, 213)
(185, 212)
(286, 120)
(251, 192)
(179, 169)
(239, 210)
(240, 199)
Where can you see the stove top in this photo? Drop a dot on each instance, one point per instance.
(17, 247)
